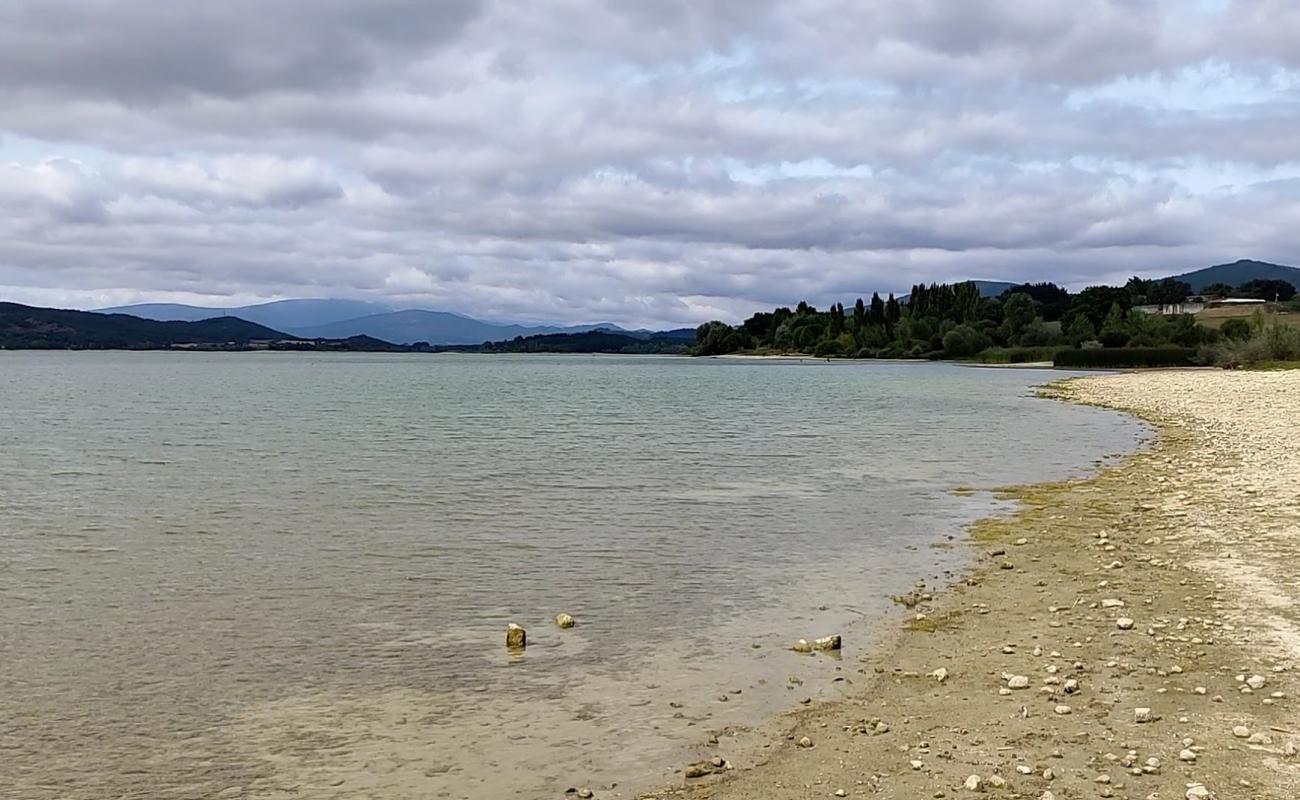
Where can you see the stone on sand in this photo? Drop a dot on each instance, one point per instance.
(516, 637)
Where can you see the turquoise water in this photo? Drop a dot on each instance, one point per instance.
(260, 574)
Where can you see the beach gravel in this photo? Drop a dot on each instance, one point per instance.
(1195, 537)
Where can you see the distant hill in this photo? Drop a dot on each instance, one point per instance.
(343, 319)
(283, 315)
(434, 327)
(1239, 272)
(23, 327)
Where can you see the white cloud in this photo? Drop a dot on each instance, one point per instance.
(647, 163)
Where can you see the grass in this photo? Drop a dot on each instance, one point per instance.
(1215, 317)
(1015, 355)
(1272, 366)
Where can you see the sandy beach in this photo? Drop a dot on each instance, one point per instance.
(1132, 635)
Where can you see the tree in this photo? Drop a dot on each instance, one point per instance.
(893, 312)
(1277, 291)
(836, 324)
(1052, 300)
(1168, 291)
(716, 338)
(1217, 290)
(859, 316)
(1080, 330)
(1114, 328)
(1018, 311)
(877, 313)
(1036, 334)
(1096, 301)
(964, 340)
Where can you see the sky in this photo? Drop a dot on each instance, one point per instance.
(644, 162)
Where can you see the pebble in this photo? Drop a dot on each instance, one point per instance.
(564, 621)
(1256, 682)
(841, 793)
(1125, 623)
(1241, 731)
(804, 741)
(1018, 682)
(973, 783)
(1142, 715)
(940, 674)
(1063, 710)
(1187, 755)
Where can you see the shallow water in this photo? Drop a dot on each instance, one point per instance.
(278, 575)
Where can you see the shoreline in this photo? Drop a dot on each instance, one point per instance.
(1096, 647)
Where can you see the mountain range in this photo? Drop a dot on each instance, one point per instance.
(342, 319)
(29, 327)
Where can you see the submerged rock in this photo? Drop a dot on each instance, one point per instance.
(564, 620)
(516, 637)
(802, 646)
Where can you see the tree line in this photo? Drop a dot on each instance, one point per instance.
(954, 320)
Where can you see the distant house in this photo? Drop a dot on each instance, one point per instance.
(1196, 304)
(1235, 302)
(1191, 305)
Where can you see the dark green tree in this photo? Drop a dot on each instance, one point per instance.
(1273, 290)
(877, 313)
(1018, 311)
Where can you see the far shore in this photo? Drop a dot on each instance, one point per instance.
(1132, 635)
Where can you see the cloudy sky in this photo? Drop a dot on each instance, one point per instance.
(639, 161)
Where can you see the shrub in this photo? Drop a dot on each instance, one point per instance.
(828, 348)
(963, 340)
(1126, 357)
(1271, 340)
(1236, 329)
(1016, 355)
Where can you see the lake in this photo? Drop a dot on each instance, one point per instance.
(289, 575)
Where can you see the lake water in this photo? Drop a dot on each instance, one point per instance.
(289, 575)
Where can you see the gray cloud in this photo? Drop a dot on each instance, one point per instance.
(646, 163)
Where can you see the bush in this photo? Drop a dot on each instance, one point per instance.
(1271, 340)
(1236, 329)
(828, 348)
(963, 340)
(1016, 355)
(1126, 357)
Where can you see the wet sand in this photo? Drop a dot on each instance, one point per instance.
(1132, 635)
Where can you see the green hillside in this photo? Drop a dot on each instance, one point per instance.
(1239, 272)
(27, 327)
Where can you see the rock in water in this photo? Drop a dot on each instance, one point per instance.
(516, 637)
(564, 621)
(832, 642)
(802, 646)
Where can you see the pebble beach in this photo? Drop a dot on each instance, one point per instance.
(1132, 635)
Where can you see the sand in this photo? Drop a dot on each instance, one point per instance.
(1151, 613)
